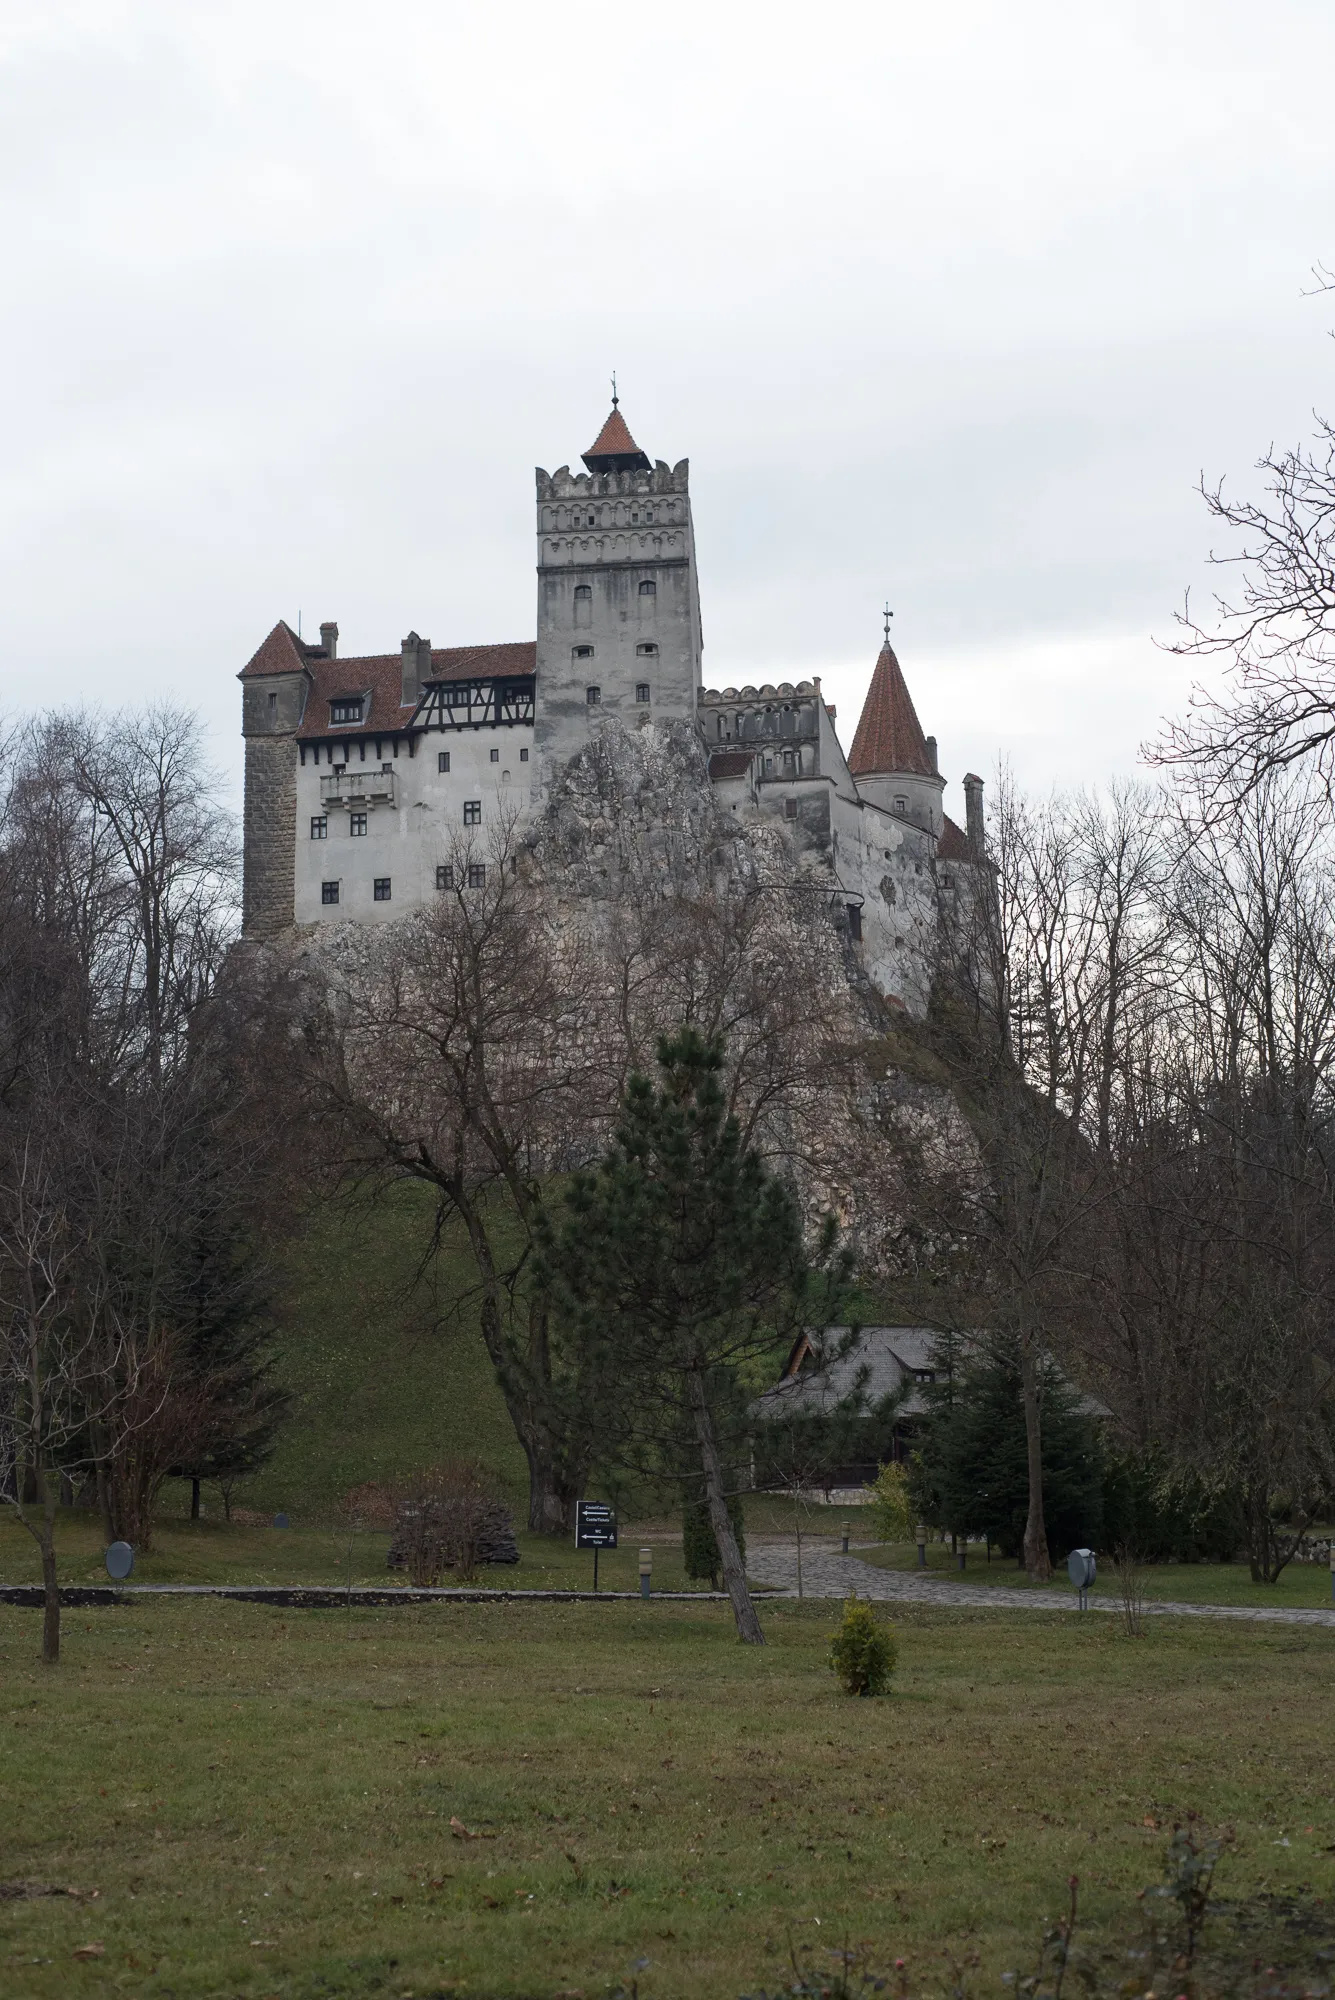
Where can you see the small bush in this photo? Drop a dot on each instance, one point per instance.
(449, 1517)
(862, 1653)
(891, 1513)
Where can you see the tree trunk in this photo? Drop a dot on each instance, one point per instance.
(1036, 1558)
(50, 1587)
(194, 1499)
(734, 1575)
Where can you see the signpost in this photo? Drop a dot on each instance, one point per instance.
(595, 1528)
(1082, 1570)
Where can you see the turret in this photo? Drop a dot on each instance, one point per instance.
(893, 763)
(618, 605)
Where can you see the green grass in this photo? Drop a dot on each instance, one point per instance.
(262, 1800)
(1298, 1586)
(387, 1374)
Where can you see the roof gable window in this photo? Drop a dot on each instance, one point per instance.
(347, 707)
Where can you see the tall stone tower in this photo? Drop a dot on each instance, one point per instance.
(618, 602)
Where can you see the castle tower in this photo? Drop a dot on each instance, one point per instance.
(893, 763)
(618, 603)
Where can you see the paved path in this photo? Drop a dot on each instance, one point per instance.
(827, 1573)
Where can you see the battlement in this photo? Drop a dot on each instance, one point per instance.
(563, 484)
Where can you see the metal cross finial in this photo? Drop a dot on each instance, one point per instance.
(889, 614)
(615, 398)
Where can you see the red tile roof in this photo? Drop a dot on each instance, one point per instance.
(954, 842)
(614, 441)
(282, 653)
(381, 675)
(889, 735)
(730, 763)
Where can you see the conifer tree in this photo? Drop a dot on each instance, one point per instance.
(679, 1261)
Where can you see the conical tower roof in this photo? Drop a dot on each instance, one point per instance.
(889, 735)
(614, 449)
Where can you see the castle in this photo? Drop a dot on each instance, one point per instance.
(362, 774)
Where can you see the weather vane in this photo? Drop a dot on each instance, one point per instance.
(614, 388)
(889, 614)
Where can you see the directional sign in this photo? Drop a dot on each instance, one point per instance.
(595, 1525)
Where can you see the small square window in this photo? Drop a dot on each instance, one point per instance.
(472, 812)
(581, 652)
(523, 756)
(443, 760)
(356, 824)
(444, 875)
(380, 889)
(649, 651)
(477, 875)
(495, 756)
(642, 693)
(386, 770)
(593, 696)
(329, 892)
(320, 827)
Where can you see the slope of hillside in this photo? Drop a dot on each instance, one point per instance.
(387, 1373)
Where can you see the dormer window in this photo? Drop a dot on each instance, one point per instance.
(346, 708)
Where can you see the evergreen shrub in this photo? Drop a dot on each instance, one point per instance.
(891, 1507)
(699, 1546)
(862, 1653)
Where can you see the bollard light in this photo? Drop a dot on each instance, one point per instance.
(846, 1531)
(920, 1536)
(964, 1543)
(646, 1571)
(1332, 1565)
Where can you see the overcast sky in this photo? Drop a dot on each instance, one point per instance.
(950, 305)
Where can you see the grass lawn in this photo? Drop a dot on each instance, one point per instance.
(263, 1799)
(1298, 1586)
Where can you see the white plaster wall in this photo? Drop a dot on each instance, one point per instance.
(406, 840)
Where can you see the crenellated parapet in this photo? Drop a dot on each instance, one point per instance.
(660, 478)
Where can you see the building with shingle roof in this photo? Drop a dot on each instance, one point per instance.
(371, 780)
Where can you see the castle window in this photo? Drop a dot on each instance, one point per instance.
(319, 827)
(356, 824)
(584, 593)
(329, 892)
(347, 709)
(472, 812)
(495, 756)
(444, 875)
(457, 697)
(592, 697)
(648, 588)
(442, 760)
(581, 652)
(523, 756)
(648, 513)
(642, 693)
(477, 875)
(648, 651)
(273, 704)
(790, 808)
(380, 889)
(591, 521)
(901, 805)
(855, 922)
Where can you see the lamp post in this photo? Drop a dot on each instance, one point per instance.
(920, 1537)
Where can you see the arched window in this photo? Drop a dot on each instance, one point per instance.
(583, 593)
(648, 588)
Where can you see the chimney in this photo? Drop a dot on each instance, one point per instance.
(973, 814)
(329, 640)
(931, 756)
(411, 651)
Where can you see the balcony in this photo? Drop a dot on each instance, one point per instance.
(359, 789)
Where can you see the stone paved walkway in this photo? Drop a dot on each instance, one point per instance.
(827, 1573)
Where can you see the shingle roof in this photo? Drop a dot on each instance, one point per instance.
(730, 763)
(381, 676)
(954, 842)
(614, 449)
(889, 735)
(282, 653)
(889, 1355)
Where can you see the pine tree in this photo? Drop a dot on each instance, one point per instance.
(681, 1260)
